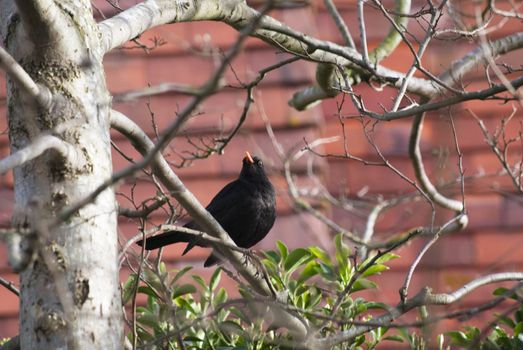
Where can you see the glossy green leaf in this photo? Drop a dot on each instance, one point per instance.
(320, 254)
(128, 288)
(342, 251)
(183, 289)
(362, 284)
(374, 270)
(396, 338)
(295, 259)
(215, 279)
(386, 257)
(310, 270)
(283, 249)
(180, 273)
(147, 290)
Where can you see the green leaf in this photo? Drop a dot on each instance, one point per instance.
(182, 290)
(148, 290)
(320, 254)
(327, 271)
(231, 326)
(386, 257)
(162, 268)
(342, 251)
(295, 259)
(311, 269)
(283, 249)
(362, 284)
(186, 305)
(518, 329)
(506, 320)
(221, 297)
(152, 279)
(128, 288)
(374, 269)
(149, 320)
(505, 292)
(458, 338)
(215, 279)
(272, 257)
(377, 305)
(200, 281)
(394, 338)
(180, 273)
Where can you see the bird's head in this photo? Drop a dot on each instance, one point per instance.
(253, 168)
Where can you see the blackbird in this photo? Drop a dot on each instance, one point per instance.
(245, 208)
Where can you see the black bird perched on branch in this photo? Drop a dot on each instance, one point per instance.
(245, 208)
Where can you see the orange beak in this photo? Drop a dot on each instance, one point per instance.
(248, 157)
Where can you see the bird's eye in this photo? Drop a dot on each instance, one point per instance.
(259, 162)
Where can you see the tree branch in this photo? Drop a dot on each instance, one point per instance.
(9, 286)
(132, 22)
(424, 297)
(38, 93)
(499, 47)
(162, 170)
(39, 146)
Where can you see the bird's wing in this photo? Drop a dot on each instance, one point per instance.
(225, 198)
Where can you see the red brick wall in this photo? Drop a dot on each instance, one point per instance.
(491, 242)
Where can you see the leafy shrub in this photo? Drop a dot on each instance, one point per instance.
(315, 286)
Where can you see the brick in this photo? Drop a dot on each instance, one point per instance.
(4, 266)
(6, 206)
(375, 101)
(3, 88)
(297, 231)
(210, 34)
(511, 211)
(353, 176)
(389, 283)
(175, 38)
(402, 59)
(9, 304)
(6, 179)
(391, 138)
(486, 108)
(179, 69)
(134, 77)
(221, 111)
(499, 250)
(484, 211)
(4, 139)
(300, 72)
(452, 250)
(8, 327)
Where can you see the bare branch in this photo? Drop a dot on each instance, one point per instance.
(471, 59)
(146, 209)
(450, 101)
(9, 286)
(424, 297)
(39, 146)
(156, 90)
(132, 22)
(145, 146)
(38, 93)
(421, 175)
(340, 23)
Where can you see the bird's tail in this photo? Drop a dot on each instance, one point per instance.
(166, 238)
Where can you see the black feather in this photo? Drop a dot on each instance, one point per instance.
(245, 208)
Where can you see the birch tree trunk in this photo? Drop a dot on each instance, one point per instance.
(70, 290)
